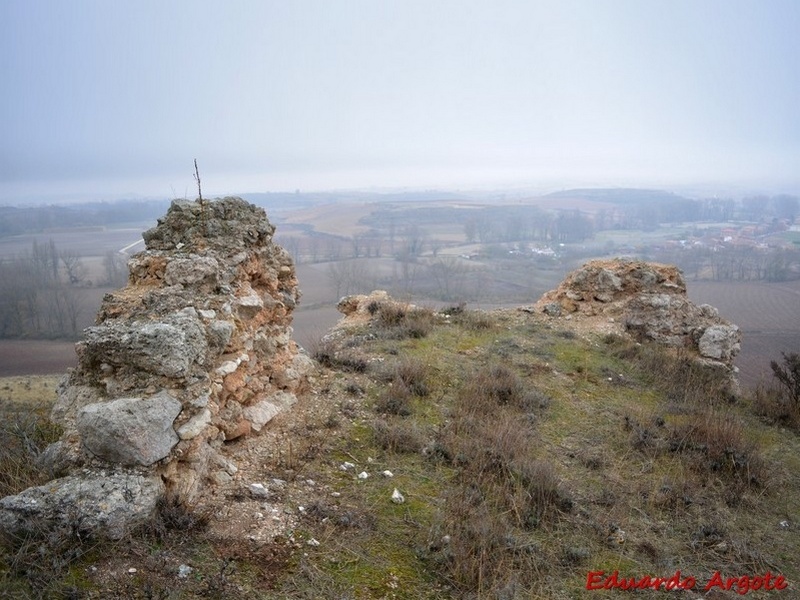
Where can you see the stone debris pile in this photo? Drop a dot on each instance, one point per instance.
(646, 300)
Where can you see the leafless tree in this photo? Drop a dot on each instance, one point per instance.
(409, 273)
(43, 260)
(786, 207)
(313, 248)
(62, 310)
(292, 244)
(414, 238)
(350, 277)
(73, 266)
(471, 230)
(200, 199)
(115, 268)
(334, 248)
(357, 241)
(13, 299)
(448, 273)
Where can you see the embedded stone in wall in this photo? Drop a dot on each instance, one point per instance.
(90, 503)
(130, 431)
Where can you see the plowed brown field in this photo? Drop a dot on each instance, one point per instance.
(768, 315)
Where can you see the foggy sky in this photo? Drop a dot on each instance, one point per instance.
(118, 97)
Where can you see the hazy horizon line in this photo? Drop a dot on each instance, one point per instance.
(374, 182)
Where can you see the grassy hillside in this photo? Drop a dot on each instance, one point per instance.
(528, 457)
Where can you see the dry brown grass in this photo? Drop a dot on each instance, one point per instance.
(48, 564)
(501, 493)
(25, 435)
(683, 379)
(718, 444)
(395, 321)
(779, 403)
(405, 379)
(329, 354)
(769, 403)
(399, 436)
(513, 476)
(413, 373)
(395, 399)
(473, 320)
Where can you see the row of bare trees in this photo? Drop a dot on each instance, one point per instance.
(528, 223)
(735, 263)
(408, 243)
(43, 291)
(445, 278)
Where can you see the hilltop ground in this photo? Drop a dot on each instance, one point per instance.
(528, 452)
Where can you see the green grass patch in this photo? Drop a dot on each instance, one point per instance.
(527, 457)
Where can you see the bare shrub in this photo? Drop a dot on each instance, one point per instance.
(646, 433)
(354, 389)
(25, 435)
(770, 403)
(395, 399)
(780, 403)
(395, 321)
(454, 309)
(399, 436)
(498, 496)
(474, 320)
(389, 315)
(674, 493)
(418, 324)
(413, 373)
(36, 565)
(687, 381)
(788, 376)
(683, 379)
(173, 516)
(488, 388)
(500, 491)
(41, 564)
(495, 446)
(544, 496)
(718, 443)
(328, 355)
(323, 351)
(479, 550)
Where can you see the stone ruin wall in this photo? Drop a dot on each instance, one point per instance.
(647, 301)
(196, 350)
(202, 330)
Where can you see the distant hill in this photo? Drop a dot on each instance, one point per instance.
(622, 196)
(37, 219)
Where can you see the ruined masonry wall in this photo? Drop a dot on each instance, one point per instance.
(194, 351)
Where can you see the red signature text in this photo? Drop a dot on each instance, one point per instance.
(598, 580)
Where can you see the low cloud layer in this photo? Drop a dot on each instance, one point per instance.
(317, 94)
